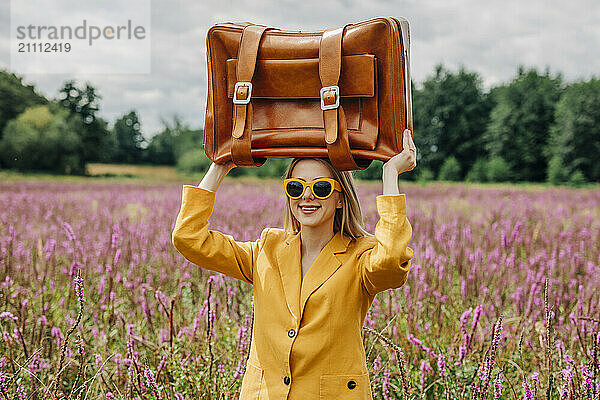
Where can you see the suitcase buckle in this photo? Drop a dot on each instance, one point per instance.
(336, 89)
(235, 91)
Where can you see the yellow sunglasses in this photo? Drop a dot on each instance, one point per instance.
(322, 188)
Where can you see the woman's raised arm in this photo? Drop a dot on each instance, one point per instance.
(214, 176)
(207, 248)
(387, 263)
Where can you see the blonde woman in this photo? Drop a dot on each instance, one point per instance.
(313, 281)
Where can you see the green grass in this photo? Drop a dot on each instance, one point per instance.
(98, 172)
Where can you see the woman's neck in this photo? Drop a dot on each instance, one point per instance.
(313, 239)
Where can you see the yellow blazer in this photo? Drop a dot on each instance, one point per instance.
(306, 338)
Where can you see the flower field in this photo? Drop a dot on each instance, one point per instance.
(502, 300)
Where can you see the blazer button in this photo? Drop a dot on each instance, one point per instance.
(291, 333)
(351, 384)
(286, 380)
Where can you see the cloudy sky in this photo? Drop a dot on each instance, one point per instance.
(489, 37)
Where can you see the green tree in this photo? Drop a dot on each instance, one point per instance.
(520, 121)
(128, 138)
(498, 170)
(161, 149)
(450, 170)
(425, 175)
(450, 117)
(372, 172)
(557, 172)
(176, 139)
(574, 143)
(194, 160)
(83, 106)
(42, 139)
(478, 171)
(15, 97)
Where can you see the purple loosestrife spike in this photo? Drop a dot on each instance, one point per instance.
(75, 267)
(377, 364)
(385, 385)
(588, 382)
(420, 345)
(476, 315)
(441, 364)
(6, 337)
(425, 368)
(212, 316)
(79, 289)
(69, 230)
(498, 385)
(98, 359)
(101, 285)
(57, 333)
(163, 362)
(6, 315)
(3, 388)
(239, 370)
(114, 242)
(117, 257)
(21, 393)
(527, 390)
(462, 352)
(483, 371)
(567, 377)
(151, 382)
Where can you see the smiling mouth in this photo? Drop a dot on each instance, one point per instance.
(308, 209)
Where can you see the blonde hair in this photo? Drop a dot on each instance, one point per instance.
(349, 218)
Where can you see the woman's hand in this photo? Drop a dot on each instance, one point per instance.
(405, 160)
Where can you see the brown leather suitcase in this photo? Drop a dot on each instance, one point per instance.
(340, 93)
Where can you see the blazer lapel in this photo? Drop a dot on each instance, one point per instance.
(297, 291)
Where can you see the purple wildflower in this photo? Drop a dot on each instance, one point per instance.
(385, 385)
(98, 359)
(498, 385)
(377, 363)
(425, 368)
(79, 289)
(151, 382)
(7, 315)
(21, 393)
(527, 390)
(69, 230)
(441, 364)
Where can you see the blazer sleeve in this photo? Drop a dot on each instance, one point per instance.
(386, 265)
(207, 248)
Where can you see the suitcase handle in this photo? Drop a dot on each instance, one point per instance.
(334, 120)
(247, 54)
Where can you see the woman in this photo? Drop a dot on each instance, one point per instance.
(313, 282)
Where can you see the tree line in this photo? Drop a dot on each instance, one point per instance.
(535, 128)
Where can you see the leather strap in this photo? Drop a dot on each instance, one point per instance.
(242, 120)
(334, 120)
